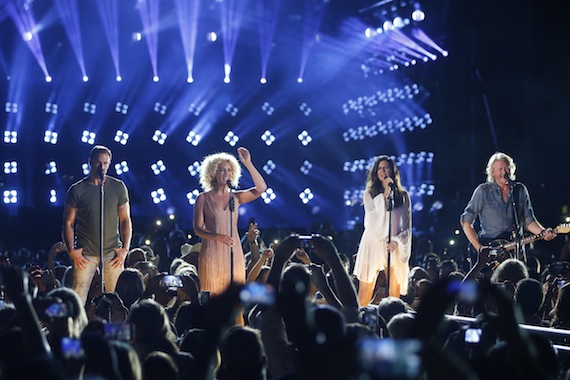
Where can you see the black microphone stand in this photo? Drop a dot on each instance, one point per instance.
(390, 208)
(518, 231)
(101, 229)
(232, 208)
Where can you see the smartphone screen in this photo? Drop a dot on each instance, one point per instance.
(71, 348)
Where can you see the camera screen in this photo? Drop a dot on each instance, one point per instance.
(473, 335)
(120, 331)
(56, 310)
(390, 358)
(71, 348)
(172, 281)
(256, 293)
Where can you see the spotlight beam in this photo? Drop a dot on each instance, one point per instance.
(109, 14)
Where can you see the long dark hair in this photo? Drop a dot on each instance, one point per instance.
(374, 185)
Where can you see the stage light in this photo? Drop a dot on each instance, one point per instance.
(212, 37)
(305, 138)
(89, 108)
(137, 36)
(398, 22)
(10, 167)
(51, 108)
(263, 80)
(155, 78)
(51, 168)
(158, 167)
(160, 108)
(305, 109)
(192, 196)
(227, 72)
(27, 36)
(190, 79)
(121, 137)
(11, 107)
(121, 108)
(158, 195)
(451, 242)
(159, 137)
(194, 169)
(299, 80)
(268, 196)
(267, 138)
(88, 137)
(10, 137)
(119, 78)
(268, 109)
(85, 168)
(121, 167)
(193, 138)
(456, 232)
(306, 167)
(306, 195)
(171, 216)
(231, 109)
(10, 196)
(269, 167)
(418, 15)
(85, 78)
(196, 109)
(387, 25)
(49, 78)
(231, 138)
(52, 196)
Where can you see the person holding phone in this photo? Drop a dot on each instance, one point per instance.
(383, 186)
(216, 218)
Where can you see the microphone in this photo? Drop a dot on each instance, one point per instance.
(392, 186)
(507, 177)
(230, 185)
(101, 174)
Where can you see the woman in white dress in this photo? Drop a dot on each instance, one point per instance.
(383, 183)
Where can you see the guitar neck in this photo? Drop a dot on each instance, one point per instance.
(524, 241)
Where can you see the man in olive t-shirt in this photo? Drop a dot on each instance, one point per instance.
(81, 224)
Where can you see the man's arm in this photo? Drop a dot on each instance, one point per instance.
(471, 235)
(68, 234)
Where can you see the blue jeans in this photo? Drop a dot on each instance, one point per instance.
(82, 278)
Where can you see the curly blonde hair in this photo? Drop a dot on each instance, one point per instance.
(210, 166)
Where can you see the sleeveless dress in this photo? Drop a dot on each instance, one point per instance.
(214, 261)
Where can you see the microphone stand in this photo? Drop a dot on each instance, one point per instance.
(232, 208)
(390, 208)
(518, 232)
(101, 230)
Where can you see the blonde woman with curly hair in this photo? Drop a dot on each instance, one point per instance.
(212, 220)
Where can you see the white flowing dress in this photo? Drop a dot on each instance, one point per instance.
(372, 256)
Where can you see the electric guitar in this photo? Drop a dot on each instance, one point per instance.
(500, 249)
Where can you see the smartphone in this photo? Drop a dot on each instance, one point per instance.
(390, 358)
(473, 335)
(56, 310)
(71, 348)
(256, 293)
(305, 241)
(118, 331)
(204, 297)
(171, 282)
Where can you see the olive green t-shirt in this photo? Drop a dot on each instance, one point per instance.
(86, 198)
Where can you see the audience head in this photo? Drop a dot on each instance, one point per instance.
(130, 286)
(243, 355)
(150, 321)
(390, 306)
